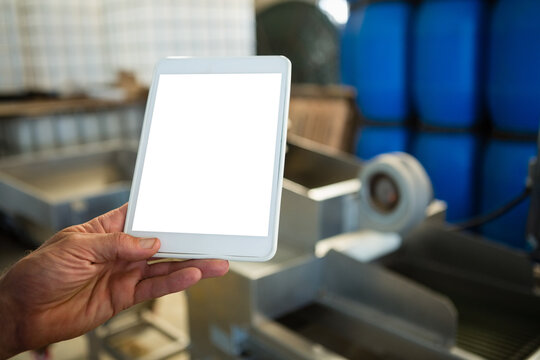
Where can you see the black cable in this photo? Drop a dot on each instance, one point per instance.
(483, 219)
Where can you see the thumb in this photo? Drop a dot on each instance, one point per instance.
(121, 246)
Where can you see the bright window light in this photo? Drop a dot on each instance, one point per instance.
(337, 10)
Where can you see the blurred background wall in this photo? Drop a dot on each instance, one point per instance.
(64, 46)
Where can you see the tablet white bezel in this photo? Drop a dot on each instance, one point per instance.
(230, 247)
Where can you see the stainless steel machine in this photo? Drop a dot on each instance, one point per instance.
(430, 294)
(335, 289)
(50, 190)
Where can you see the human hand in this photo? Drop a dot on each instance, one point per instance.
(83, 276)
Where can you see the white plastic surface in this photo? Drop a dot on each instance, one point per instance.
(210, 165)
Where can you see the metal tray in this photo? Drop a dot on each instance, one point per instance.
(491, 286)
(56, 189)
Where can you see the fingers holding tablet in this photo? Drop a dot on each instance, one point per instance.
(168, 277)
(208, 268)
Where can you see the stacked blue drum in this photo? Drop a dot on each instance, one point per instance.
(457, 84)
(447, 42)
(376, 38)
(448, 50)
(513, 94)
(381, 63)
(503, 178)
(451, 161)
(374, 140)
(514, 66)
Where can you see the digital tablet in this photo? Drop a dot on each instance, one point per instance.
(209, 168)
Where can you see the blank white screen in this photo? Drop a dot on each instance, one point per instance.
(209, 160)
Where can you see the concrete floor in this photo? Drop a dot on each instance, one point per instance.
(171, 308)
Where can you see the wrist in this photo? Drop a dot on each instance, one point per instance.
(8, 331)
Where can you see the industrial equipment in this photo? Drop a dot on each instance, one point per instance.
(50, 190)
(335, 289)
(428, 293)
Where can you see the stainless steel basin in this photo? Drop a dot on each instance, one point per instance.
(320, 187)
(56, 189)
(315, 166)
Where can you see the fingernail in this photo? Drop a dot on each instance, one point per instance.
(147, 243)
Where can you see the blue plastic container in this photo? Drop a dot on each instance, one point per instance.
(451, 161)
(504, 174)
(348, 54)
(382, 61)
(514, 66)
(448, 49)
(374, 140)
